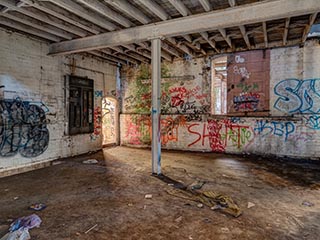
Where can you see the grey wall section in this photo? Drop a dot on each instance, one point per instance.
(290, 127)
(33, 103)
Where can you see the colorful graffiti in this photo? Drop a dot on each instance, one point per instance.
(313, 122)
(276, 128)
(242, 71)
(298, 96)
(109, 121)
(246, 101)
(98, 93)
(222, 133)
(23, 128)
(97, 121)
(184, 97)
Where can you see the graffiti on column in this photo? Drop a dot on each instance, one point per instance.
(23, 128)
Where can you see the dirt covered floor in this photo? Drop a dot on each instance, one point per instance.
(110, 196)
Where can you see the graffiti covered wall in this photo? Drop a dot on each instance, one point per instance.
(33, 103)
(291, 100)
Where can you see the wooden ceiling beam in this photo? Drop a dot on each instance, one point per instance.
(245, 36)
(265, 34)
(312, 19)
(221, 19)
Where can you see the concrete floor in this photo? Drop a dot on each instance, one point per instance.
(111, 195)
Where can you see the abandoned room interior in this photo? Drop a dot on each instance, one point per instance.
(159, 119)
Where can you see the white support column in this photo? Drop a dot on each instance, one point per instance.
(155, 111)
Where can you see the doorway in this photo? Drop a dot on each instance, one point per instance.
(110, 119)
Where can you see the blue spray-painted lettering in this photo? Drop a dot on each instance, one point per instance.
(264, 128)
(298, 96)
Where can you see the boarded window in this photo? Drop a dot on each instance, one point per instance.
(80, 105)
(248, 81)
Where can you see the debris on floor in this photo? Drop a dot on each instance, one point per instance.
(90, 161)
(19, 229)
(179, 219)
(200, 205)
(250, 205)
(90, 229)
(197, 185)
(307, 204)
(37, 207)
(148, 196)
(209, 198)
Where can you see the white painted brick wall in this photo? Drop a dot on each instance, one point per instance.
(27, 72)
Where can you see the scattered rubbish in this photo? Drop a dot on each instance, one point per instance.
(207, 220)
(170, 184)
(209, 198)
(190, 238)
(148, 196)
(90, 161)
(56, 163)
(145, 207)
(78, 234)
(19, 229)
(15, 198)
(37, 207)
(28, 222)
(197, 184)
(200, 205)
(216, 207)
(315, 186)
(20, 234)
(250, 205)
(179, 219)
(130, 204)
(225, 230)
(223, 175)
(307, 204)
(90, 229)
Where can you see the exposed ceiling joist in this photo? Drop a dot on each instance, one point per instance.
(37, 25)
(38, 5)
(232, 3)
(309, 25)
(241, 15)
(129, 9)
(41, 17)
(156, 9)
(32, 31)
(181, 8)
(212, 43)
(286, 31)
(223, 32)
(245, 36)
(75, 8)
(206, 5)
(105, 56)
(182, 47)
(122, 57)
(265, 34)
(107, 12)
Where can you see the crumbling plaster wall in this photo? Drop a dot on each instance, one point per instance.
(34, 106)
(290, 128)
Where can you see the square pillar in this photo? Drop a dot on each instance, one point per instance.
(156, 105)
